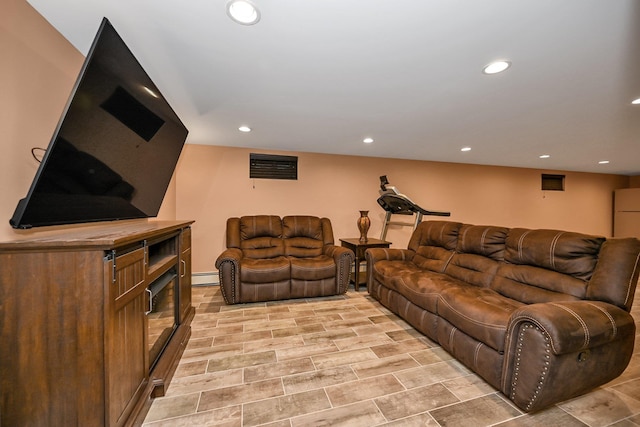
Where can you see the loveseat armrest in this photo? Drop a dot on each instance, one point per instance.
(228, 265)
(343, 258)
(555, 351)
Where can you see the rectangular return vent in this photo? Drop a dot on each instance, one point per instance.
(269, 166)
(552, 182)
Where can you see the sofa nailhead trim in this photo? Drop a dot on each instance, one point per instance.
(545, 369)
(233, 291)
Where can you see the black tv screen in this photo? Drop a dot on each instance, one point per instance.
(114, 150)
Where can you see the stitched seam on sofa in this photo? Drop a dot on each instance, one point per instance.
(475, 354)
(587, 338)
(462, 240)
(451, 335)
(629, 285)
(552, 250)
(611, 319)
(406, 309)
(422, 316)
(482, 239)
(284, 267)
(489, 325)
(446, 263)
(301, 267)
(520, 244)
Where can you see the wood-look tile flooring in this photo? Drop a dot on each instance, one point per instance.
(348, 361)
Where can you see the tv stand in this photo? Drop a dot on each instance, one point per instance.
(75, 322)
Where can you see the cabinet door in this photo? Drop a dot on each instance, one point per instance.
(185, 274)
(127, 356)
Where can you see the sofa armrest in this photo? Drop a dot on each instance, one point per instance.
(555, 351)
(372, 255)
(228, 265)
(343, 258)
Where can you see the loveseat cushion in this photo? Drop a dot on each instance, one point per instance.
(258, 236)
(303, 236)
(262, 247)
(265, 270)
(479, 312)
(259, 226)
(312, 268)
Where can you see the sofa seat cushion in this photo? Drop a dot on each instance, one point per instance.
(420, 287)
(479, 312)
(265, 270)
(313, 268)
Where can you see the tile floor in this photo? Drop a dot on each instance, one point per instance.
(348, 361)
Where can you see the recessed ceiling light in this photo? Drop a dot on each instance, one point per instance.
(243, 12)
(465, 149)
(367, 140)
(545, 156)
(150, 92)
(496, 67)
(603, 162)
(244, 129)
(636, 101)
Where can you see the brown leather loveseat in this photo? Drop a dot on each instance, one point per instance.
(541, 315)
(269, 258)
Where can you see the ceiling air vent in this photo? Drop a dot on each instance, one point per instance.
(269, 166)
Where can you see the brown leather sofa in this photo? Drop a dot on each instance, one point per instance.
(269, 258)
(541, 315)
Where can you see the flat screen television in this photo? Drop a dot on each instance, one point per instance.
(114, 149)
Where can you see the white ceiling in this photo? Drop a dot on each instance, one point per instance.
(321, 75)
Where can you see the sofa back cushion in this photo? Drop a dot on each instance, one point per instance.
(434, 243)
(485, 240)
(547, 265)
(303, 236)
(478, 252)
(259, 236)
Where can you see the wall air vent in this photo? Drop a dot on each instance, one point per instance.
(269, 166)
(552, 182)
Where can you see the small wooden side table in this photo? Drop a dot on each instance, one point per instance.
(359, 248)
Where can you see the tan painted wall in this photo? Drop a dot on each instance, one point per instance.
(37, 74)
(39, 68)
(213, 184)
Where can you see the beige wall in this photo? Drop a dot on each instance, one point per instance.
(36, 79)
(37, 72)
(213, 184)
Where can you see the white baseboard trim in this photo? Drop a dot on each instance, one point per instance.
(209, 278)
